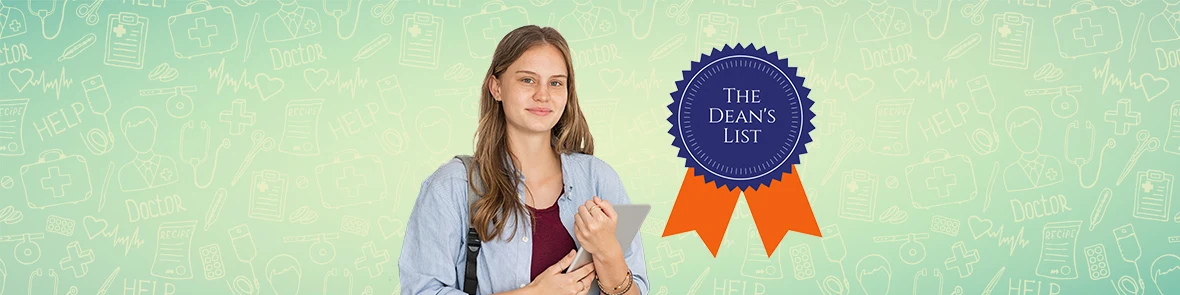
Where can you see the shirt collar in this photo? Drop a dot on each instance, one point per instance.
(1032, 163)
(143, 163)
(884, 12)
(565, 174)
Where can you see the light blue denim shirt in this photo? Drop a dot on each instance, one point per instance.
(433, 259)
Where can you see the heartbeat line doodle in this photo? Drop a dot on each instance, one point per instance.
(223, 78)
(856, 85)
(351, 84)
(22, 78)
(1012, 241)
(1151, 85)
(642, 83)
(318, 78)
(821, 83)
(127, 242)
(908, 78)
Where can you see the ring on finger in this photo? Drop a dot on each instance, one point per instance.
(593, 207)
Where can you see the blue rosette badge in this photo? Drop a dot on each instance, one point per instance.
(741, 118)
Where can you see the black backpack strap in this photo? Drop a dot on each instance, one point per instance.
(470, 278)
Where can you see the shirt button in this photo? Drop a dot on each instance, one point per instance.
(522, 285)
(525, 239)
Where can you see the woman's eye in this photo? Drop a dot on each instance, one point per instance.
(527, 80)
(555, 83)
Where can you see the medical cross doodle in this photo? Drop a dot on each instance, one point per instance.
(76, 259)
(494, 25)
(1122, 117)
(962, 260)
(668, 257)
(792, 31)
(56, 182)
(237, 117)
(1087, 32)
(202, 32)
(828, 110)
(372, 259)
(941, 182)
(351, 182)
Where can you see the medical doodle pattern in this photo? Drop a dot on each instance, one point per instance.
(223, 147)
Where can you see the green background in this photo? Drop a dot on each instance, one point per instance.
(624, 86)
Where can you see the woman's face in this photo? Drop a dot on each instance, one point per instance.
(533, 90)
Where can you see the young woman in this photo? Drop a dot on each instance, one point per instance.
(543, 193)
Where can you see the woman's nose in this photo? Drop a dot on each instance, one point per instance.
(542, 94)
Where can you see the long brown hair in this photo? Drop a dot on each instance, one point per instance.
(499, 201)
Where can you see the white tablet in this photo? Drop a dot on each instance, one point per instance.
(631, 217)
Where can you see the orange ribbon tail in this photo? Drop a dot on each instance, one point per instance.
(702, 207)
(779, 208)
(776, 209)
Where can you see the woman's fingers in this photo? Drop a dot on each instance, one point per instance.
(590, 276)
(579, 224)
(585, 212)
(606, 207)
(582, 271)
(585, 286)
(563, 263)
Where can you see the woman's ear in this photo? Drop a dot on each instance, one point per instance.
(494, 87)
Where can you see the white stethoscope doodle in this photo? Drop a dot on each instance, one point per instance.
(339, 13)
(632, 13)
(41, 272)
(928, 13)
(1081, 161)
(322, 251)
(195, 161)
(43, 13)
(27, 251)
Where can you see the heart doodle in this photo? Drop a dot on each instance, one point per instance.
(979, 226)
(610, 78)
(858, 86)
(905, 78)
(93, 226)
(20, 78)
(1153, 86)
(390, 227)
(268, 86)
(316, 78)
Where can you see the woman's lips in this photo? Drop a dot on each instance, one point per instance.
(540, 111)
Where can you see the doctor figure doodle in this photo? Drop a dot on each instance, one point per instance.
(881, 22)
(1033, 169)
(587, 21)
(148, 170)
(1162, 27)
(12, 22)
(291, 22)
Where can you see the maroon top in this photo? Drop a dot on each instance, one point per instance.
(551, 241)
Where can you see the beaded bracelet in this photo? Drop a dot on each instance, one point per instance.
(628, 281)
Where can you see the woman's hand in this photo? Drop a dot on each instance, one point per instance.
(552, 281)
(594, 227)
